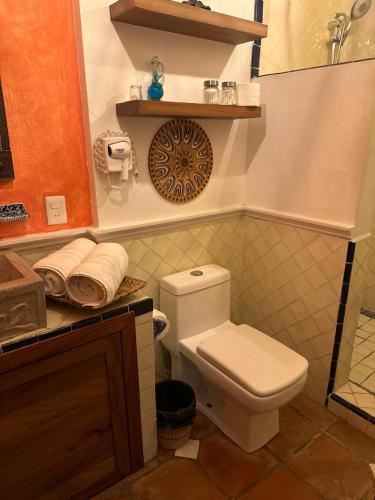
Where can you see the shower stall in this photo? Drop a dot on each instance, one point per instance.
(298, 37)
(340, 27)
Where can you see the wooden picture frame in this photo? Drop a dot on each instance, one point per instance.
(6, 162)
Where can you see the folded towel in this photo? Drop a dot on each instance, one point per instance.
(55, 268)
(95, 281)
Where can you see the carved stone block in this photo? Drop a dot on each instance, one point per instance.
(22, 299)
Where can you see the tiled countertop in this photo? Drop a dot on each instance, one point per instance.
(62, 318)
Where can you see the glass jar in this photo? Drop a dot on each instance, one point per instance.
(135, 92)
(229, 93)
(211, 92)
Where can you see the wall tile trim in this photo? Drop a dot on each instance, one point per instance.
(341, 316)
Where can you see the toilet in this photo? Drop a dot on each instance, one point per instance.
(240, 375)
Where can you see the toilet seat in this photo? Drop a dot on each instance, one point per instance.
(260, 404)
(257, 362)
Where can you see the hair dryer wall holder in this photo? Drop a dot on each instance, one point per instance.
(114, 157)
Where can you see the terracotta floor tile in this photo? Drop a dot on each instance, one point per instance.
(151, 464)
(202, 427)
(312, 410)
(356, 440)
(295, 431)
(229, 466)
(118, 491)
(332, 470)
(280, 485)
(164, 455)
(177, 479)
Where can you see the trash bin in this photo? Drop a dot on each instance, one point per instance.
(175, 407)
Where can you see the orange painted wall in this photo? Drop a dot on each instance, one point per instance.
(39, 73)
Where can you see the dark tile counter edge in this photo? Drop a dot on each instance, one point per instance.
(139, 307)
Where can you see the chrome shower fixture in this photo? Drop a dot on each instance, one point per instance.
(360, 8)
(340, 27)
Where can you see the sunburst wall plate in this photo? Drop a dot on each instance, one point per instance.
(180, 160)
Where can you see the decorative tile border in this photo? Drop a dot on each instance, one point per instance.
(368, 313)
(13, 212)
(341, 315)
(353, 408)
(255, 61)
(139, 307)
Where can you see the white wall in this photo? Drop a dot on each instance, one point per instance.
(306, 155)
(116, 55)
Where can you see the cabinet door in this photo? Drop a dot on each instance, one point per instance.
(63, 423)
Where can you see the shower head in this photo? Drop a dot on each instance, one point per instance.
(360, 8)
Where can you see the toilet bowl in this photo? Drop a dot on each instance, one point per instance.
(240, 375)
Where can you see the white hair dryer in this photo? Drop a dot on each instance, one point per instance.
(114, 157)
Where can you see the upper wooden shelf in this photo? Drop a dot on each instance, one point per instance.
(165, 109)
(175, 17)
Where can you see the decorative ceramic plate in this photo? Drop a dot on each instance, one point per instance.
(180, 160)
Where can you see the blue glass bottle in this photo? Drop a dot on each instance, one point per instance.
(155, 91)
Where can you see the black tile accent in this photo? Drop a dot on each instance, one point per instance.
(331, 384)
(18, 344)
(335, 355)
(139, 307)
(344, 293)
(368, 313)
(254, 72)
(86, 322)
(115, 312)
(341, 313)
(350, 253)
(347, 272)
(332, 372)
(353, 408)
(341, 316)
(258, 17)
(54, 333)
(256, 56)
(258, 11)
(142, 307)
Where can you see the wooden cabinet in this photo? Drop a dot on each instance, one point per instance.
(69, 413)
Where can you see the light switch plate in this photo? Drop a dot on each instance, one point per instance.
(56, 210)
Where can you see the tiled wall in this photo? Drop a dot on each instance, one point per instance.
(286, 281)
(298, 34)
(158, 255)
(291, 288)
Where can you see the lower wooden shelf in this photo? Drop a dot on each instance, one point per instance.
(165, 109)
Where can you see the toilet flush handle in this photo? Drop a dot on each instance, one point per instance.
(197, 273)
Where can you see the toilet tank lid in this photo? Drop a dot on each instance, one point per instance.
(194, 279)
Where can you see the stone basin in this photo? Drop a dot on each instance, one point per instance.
(22, 299)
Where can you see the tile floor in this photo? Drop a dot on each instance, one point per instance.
(363, 360)
(315, 456)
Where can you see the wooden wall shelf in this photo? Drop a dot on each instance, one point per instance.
(168, 15)
(165, 109)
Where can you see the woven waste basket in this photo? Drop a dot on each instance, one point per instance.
(175, 405)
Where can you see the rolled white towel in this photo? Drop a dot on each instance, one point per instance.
(55, 268)
(95, 281)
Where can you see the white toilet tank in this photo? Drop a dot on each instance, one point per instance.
(194, 301)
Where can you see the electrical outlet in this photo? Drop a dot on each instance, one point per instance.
(56, 210)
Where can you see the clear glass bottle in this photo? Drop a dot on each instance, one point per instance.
(211, 92)
(229, 94)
